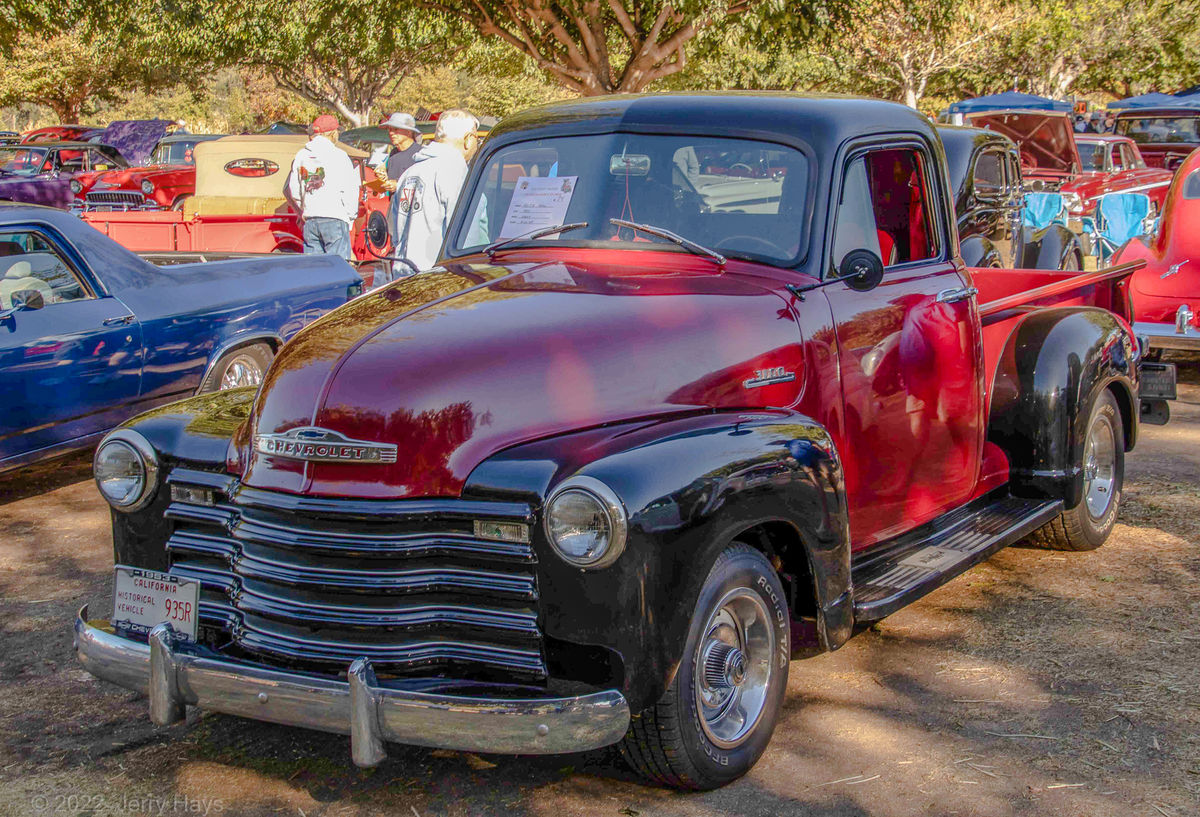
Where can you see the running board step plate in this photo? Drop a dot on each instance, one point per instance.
(889, 578)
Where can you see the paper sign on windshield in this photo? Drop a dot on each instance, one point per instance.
(538, 202)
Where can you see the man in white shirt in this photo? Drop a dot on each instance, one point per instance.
(427, 192)
(325, 186)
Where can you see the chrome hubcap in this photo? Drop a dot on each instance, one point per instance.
(733, 668)
(1099, 466)
(243, 370)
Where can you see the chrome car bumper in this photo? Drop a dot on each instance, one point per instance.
(1167, 336)
(371, 714)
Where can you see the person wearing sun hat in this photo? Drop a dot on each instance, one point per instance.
(406, 141)
(324, 185)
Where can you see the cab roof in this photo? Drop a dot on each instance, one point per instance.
(819, 120)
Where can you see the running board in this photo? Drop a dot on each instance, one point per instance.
(893, 576)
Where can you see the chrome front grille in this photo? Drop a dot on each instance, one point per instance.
(115, 199)
(320, 582)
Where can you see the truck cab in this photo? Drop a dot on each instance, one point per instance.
(687, 398)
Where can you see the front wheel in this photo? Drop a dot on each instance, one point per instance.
(1088, 524)
(717, 716)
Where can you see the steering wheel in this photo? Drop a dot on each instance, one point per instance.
(772, 249)
(749, 170)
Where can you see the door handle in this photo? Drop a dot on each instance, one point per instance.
(123, 320)
(950, 296)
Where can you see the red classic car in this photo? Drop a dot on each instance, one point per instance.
(59, 133)
(634, 445)
(1165, 135)
(1050, 159)
(165, 183)
(1113, 164)
(1166, 292)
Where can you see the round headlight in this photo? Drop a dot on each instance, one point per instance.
(147, 187)
(586, 522)
(126, 470)
(76, 187)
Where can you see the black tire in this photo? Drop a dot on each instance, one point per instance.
(178, 204)
(1087, 527)
(254, 359)
(670, 742)
(1072, 263)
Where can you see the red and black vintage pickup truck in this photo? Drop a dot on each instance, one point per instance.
(701, 386)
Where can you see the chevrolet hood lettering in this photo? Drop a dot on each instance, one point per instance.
(313, 444)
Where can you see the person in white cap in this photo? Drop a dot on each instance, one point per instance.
(427, 192)
(406, 141)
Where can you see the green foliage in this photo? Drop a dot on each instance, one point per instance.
(343, 55)
(593, 47)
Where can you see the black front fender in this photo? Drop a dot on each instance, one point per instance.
(1052, 370)
(691, 486)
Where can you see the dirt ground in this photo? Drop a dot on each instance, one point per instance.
(1040, 683)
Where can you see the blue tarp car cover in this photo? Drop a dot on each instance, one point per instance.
(1009, 100)
(1154, 101)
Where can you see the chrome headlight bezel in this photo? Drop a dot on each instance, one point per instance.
(76, 186)
(146, 456)
(612, 507)
(147, 187)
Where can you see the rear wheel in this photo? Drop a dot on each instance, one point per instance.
(717, 716)
(244, 366)
(1088, 524)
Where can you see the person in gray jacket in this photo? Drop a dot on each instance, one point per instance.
(427, 192)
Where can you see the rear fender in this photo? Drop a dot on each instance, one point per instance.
(1055, 365)
(691, 486)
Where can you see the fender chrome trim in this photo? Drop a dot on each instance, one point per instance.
(371, 714)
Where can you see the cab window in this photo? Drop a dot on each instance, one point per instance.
(29, 260)
(989, 174)
(885, 207)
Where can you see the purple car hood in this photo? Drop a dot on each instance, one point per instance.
(135, 138)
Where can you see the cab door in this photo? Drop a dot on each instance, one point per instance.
(70, 359)
(909, 350)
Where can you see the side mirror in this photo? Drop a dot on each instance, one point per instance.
(28, 299)
(23, 299)
(377, 230)
(861, 270)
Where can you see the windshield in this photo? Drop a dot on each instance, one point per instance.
(736, 196)
(174, 153)
(21, 160)
(1160, 129)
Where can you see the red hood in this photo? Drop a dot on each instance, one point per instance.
(132, 177)
(1152, 181)
(1045, 139)
(453, 366)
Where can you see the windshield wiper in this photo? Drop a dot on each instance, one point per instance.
(672, 237)
(490, 249)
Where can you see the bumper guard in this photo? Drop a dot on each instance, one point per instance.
(371, 714)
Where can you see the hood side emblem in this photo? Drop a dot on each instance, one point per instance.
(766, 377)
(313, 444)
(1174, 268)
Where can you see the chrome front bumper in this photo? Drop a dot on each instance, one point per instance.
(371, 714)
(1168, 336)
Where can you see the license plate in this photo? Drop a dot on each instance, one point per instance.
(144, 598)
(1156, 381)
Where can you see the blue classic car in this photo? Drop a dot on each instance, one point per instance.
(91, 334)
